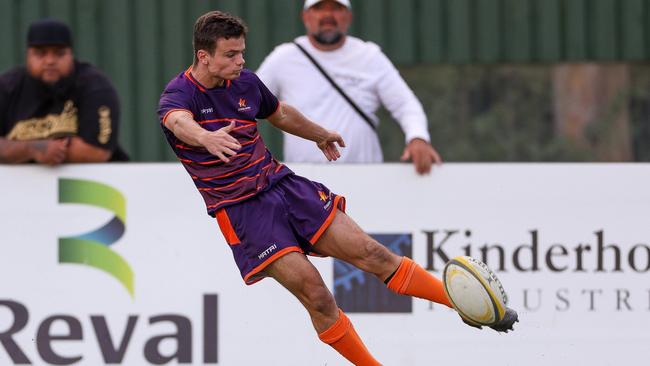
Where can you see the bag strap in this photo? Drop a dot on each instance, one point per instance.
(337, 87)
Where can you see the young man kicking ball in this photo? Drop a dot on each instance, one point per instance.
(271, 217)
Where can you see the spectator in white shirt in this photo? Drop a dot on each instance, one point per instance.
(364, 74)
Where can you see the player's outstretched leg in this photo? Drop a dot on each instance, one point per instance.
(345, 240)
(300, 277)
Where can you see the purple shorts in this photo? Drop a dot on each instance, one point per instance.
(289, 217)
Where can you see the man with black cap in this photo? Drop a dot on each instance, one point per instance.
(307, 72)
(56, 109)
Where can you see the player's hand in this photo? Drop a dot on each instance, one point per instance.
(220, 143)
(328, 145)
(422, 154)
(50, 152)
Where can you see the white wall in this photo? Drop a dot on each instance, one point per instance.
(571, 315)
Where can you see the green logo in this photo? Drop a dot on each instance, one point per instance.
(92, 248)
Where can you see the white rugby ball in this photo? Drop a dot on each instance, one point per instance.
(474, 290)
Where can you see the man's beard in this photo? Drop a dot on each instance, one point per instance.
(59, 87)
(328, 38)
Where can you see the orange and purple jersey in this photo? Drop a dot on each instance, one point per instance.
(243, 100)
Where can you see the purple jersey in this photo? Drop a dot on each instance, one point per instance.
(243, 100)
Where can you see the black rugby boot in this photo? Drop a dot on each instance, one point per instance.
(507, 323)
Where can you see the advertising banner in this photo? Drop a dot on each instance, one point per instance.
(120, 264)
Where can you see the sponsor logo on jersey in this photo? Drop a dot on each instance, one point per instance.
(242, 105)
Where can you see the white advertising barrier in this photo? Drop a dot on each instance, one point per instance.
(119, 264)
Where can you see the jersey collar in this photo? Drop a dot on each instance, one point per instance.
(188, 75)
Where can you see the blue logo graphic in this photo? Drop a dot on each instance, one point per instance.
(360, 292)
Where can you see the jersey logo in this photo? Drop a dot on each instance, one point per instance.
(206, 110)
(322, 195)
(242, 105)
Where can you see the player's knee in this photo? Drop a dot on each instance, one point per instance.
(320, 300)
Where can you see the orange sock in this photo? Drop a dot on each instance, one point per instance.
(411, 279)
(345, 340)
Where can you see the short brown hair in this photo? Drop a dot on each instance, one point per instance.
(213, 25)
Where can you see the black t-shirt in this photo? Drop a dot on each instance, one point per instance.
(84, 104)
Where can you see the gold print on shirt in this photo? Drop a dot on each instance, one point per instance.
(50, 126)
(104, 124)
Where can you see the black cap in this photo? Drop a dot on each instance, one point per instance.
(49, 32)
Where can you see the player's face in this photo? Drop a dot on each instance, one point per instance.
(228, 59)
(49, 63)
(327, 21)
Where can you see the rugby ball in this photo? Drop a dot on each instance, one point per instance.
(474, 291)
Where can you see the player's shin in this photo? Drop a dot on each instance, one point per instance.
(411, 279)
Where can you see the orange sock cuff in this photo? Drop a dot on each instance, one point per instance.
(402, 277)
(337, 330)
(344, 339)
(411, 279)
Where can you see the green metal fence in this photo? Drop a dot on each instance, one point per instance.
(141, 44)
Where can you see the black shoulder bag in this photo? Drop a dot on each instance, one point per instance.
(337, 87)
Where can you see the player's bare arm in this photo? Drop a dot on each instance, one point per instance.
(422, 154)
(219, 143)
(290, 120)
(50, 152)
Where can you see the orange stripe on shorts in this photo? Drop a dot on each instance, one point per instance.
(226, 227)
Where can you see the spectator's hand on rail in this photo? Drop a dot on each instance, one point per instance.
(422, 154)
(50, 152)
